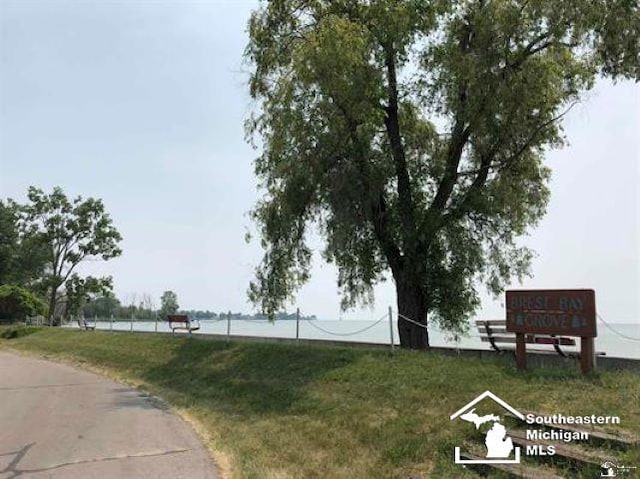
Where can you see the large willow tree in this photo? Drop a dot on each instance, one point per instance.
(412, 134)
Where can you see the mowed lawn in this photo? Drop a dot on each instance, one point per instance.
(271, 410)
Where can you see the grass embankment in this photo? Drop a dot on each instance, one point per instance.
(285, 411)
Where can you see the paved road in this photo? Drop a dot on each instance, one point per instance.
(60, 422)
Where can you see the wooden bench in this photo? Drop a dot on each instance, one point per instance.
(495, 331)
(179, 322)
(84, 324)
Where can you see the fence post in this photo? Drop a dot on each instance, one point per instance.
(156, 314)
(298, 325)
(228, 325)
(132, 321)
(391, 327)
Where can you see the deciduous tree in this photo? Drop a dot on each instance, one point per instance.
(74, 231)
(168, 304)
(18, 303)
(23, 258)
(413, 133)
(79, 291)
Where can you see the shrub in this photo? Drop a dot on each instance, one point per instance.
(16, 303)
(13, 332)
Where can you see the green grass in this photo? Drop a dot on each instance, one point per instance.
(284, 411)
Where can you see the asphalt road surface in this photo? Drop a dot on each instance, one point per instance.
(61, 422)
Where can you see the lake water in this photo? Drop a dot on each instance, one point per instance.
(374, 332)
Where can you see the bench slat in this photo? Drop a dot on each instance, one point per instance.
(549, 340)
(498, 339)
(529, 340)
(493, 329)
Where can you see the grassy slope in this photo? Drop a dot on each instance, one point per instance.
(282, 411)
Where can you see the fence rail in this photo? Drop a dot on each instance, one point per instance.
(381, 330)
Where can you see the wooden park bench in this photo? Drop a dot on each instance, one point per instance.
(495, 332)
(178, 322)
(84, 324)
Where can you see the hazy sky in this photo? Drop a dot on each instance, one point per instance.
(142, 104)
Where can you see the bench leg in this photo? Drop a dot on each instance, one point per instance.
(587, 357)
(493, 344)
(492, 340)
(556, 346)
(521, 352)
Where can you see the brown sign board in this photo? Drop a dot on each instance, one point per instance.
(567, 312)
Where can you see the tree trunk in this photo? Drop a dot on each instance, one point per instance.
(52, 306)
(412, 304)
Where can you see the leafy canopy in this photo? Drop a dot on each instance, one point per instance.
(17, 303)
(23, 258)
(79, 291)
(412, 134)
(74, 231)
(168, 304)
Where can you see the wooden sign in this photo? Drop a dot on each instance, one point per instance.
(568, 312)
(564, 312)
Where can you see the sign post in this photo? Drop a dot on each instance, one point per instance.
(521, 352)
(391, 328)
(587, 355)
(567, 312)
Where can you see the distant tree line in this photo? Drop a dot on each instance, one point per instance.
(109, 306)
(142, 308)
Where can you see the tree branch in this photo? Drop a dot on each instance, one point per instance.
(486, 163)
(457, 142)
(376, 209)
(392, 123)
